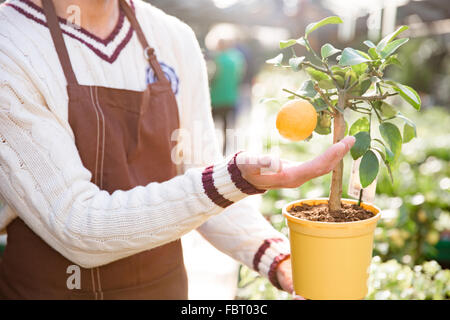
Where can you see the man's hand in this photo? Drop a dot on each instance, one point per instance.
(268, 172)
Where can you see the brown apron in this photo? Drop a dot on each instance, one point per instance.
(124, 139)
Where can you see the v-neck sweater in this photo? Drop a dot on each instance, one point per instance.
(43, 180)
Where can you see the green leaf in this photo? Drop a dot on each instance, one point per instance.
(316, 74)
(323, 124)
(383, 42)
(369, 43)
(287, 43)
(276, 61)
(365, 55)
(360, 68)
(301, 41)
(307, 89)
(364, 86)
(315, 25)
(295, 62)
(326, 84)
(391, 47)
(408, 94)
(362, 124)
(351, 57)
(361, 145)
(393, 60)
(322, 130)
(368, 168)
(390, 156)
(393, 138)
(409, 133)
(374, 54)
(388, 166)
(328, 50)
(319, 104)
(387, 110)
(269, 101)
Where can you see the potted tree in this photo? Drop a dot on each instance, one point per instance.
(331, 239)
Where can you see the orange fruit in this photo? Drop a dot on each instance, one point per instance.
(296, 120)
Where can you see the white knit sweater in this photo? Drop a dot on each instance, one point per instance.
(42, 178)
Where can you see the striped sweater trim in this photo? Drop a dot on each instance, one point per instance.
(261, 250)
(272, 275)
(235, 188)
(238, 180)
(211, 190)
(273, 268)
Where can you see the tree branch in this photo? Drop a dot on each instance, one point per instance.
(309, 64)
(324, 97)
(372, 98)
(298, 95)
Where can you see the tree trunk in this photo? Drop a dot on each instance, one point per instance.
(334, 203)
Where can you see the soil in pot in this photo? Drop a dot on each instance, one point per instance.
(348, 213)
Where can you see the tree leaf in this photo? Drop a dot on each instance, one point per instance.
(361, 145)
(393, 60)
(364, 86)
(287, 43)
(390, 156)
(409, 132)
(374, 54)
(391, 47)
(369, 43)
(323, 126)
(301, 41)
(368, 168)
(383, 42)
(317, 75)
(315, 25)
(328, 50)
(351, 57)
(319, 104)
(295, 62)
(307, 89)
(393, 138)
(388, 166)
(387, 110)
(269, 101)
(327, 84)
(407, 93)
(276, 61)
(360, 68)
(362, 124)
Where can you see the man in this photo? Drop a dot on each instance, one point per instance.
(97, 187)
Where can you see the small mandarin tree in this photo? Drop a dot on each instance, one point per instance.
(355, 82)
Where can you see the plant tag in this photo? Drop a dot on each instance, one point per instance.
(354, 187)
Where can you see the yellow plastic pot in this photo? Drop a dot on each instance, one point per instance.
(330, 260)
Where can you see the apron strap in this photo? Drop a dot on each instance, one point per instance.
(58, 40)
(149, 52)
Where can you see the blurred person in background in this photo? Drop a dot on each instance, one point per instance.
(230, 69)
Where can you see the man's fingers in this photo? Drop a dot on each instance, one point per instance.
(321, 164)
(257, 164)
(330, 158)
(268, 171)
